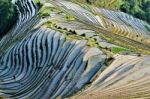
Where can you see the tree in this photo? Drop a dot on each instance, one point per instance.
(8, 16)
(137, 8)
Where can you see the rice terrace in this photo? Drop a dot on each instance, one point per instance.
(74, 49)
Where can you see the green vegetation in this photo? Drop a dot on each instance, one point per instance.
(8, 16)
(45, 11)
(69, 17)
(38, 3)
(137, 8)
(118, 49)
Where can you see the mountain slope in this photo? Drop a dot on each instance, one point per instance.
(137, 8)
(69, 50)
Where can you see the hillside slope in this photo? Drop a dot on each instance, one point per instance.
(69, 50)
(137, 8)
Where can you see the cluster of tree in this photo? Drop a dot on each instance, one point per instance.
(137, 8)
(8, 16)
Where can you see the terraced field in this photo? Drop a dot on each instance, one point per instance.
(111, 24)
(66, 50)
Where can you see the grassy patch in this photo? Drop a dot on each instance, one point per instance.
(36, 1)
(118, 49)
(45, 11)
(69, 17)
